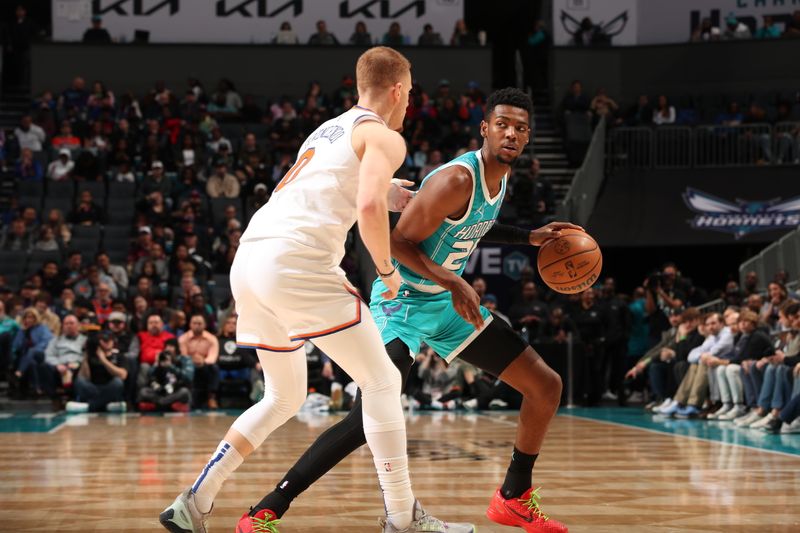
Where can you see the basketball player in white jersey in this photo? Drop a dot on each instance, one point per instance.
(289, 288)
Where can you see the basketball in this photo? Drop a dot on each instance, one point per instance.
(571, 263)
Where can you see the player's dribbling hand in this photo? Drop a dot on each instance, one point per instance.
(392, 284)
(399, 196)
(550, 231)
(466, 302)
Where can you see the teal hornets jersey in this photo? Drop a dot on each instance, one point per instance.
(455, 240)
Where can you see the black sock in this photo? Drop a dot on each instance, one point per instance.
(279, 500)
(518, 475)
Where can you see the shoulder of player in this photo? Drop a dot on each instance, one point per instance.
(455, 178)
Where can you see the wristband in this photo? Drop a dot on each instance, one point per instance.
(388, 274)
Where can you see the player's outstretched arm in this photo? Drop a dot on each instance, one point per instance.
(508, 234)
(382, 152)
(446, 194)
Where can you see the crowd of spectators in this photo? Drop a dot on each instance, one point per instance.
(117, 229)
(735, 29)
(739, 365)
(760, 128)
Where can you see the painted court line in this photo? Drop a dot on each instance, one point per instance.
(659, 432)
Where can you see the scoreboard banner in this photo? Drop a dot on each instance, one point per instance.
(250, 21)
(697, 207)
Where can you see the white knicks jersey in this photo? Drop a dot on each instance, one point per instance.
(315, 202)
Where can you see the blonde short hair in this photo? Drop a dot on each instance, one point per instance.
(380, 67)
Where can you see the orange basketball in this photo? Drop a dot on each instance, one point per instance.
(571, 263)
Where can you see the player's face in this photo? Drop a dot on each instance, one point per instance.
(401, 91)
(506, 131)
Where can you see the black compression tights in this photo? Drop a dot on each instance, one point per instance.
(331, 447)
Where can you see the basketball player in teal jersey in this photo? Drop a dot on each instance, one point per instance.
(455, 208)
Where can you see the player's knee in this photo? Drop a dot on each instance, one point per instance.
(386, 381)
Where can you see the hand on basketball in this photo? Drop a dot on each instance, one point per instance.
(550, 231)
(392, 284)
(466, 302)
(399, 196)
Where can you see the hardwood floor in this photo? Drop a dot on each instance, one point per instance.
(111, 473)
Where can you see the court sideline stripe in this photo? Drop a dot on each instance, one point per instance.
(657, 432)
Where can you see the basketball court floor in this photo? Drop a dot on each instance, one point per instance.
(602, 470)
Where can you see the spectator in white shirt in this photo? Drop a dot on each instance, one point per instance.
(30, 135)
(61, 168)
(664, 113)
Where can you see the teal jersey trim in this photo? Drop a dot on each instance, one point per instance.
(454, 241)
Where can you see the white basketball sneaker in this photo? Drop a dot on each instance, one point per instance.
(423, 522)
(183, 516)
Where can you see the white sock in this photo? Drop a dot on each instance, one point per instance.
(393, 475)
(220, 466)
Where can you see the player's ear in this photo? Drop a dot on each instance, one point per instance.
(484, 128)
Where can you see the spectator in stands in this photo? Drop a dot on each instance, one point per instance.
(532, 196)
(8, 331)
(86, 212)
(169, 382)
(65, 138)
(148, 344)
(323, 36)
(97, 34)
(429, 37)
(769, 30)
(751, 344)
(394, 37)
(793, 26)
(47, 317)
(462, 36)
(664, 113)
(732, 116)
(575, 101)
(61, 169)
(286, 35)
(117, 272)
(641, 113)
(603, 105)
(234, 363)
(102, 303)
(658, 360)
(591, 321)
(27, 349)
(100, 383)
(734, 29)
(62, 359)
(361, 37)
(556, 328)
(438, 382)
(74, 97)
(693, 390)
(89, 285)
(16, 237)
(530, 311)
(29, 135)
(177, 323)
(203, 348)
(706, 31)
(777, 296)
(222, 184)
(46, 240)
(258, 199)
(96, 142)
(435, 160)
(18, 37)
(156, 181)
(28, 168)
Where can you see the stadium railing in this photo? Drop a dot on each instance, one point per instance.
(703, 146)
(783, 254)
(582, 195)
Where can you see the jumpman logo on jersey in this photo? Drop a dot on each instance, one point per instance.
(480, 210)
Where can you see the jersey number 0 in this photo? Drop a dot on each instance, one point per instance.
(293, 172)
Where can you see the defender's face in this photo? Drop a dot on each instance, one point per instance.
(401, 91)
(506, 131)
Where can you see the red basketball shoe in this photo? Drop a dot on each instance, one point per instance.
(263, 522)
(523, 512)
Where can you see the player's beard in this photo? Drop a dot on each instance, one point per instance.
(506, 161)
